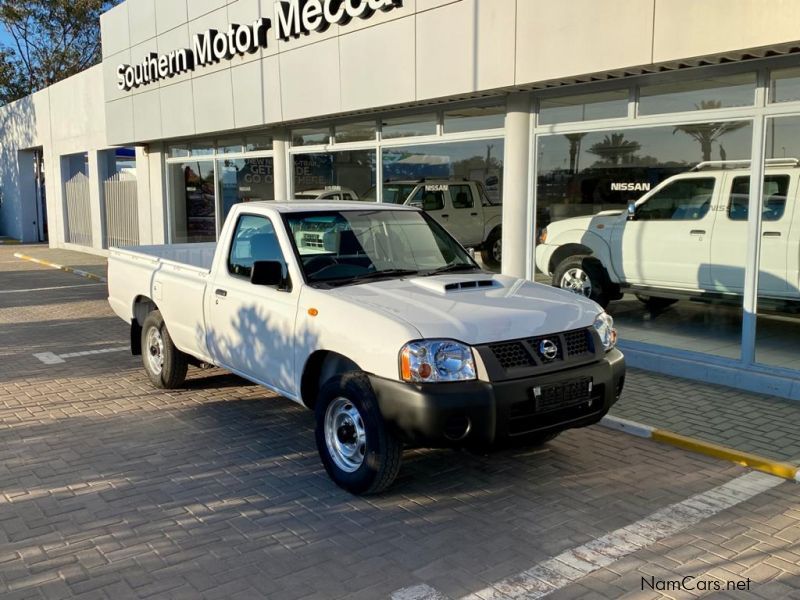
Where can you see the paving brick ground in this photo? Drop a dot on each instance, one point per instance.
(754, 423)
(110, 489)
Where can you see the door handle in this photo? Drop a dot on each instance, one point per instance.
(772, 234)
(473, 214)
(697, 232)
(445, 216)
(222, 293)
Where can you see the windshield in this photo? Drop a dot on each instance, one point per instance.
(341, 247)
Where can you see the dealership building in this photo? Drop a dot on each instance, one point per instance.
(559, 110)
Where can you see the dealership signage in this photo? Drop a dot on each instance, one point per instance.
(630, 187)
(293, 17)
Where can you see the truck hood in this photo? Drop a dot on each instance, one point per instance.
(475, 308)
(607, 219)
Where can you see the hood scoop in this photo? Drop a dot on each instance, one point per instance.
(450, 284)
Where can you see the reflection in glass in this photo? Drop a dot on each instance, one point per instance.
(784, 85)
(355, 132)
(778, 322)
(699, 94)
(474, 118)
(244, 180)
(192, 202)
(346, 175)
(668, 279)
(258, 142)
(480, 161)
(310, 136)
(409, 126)
(583, 107)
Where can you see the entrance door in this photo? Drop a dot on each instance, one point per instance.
(668, 242)
(250, 328)
(41, 195)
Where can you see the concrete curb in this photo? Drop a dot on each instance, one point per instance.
(52, 265)
(745, 459)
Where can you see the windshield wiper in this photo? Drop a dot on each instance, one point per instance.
(370, 275)
(452, 269)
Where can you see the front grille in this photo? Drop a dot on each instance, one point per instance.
(531, 352)
(578, 342)
(512, 354)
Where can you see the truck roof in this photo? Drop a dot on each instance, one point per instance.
(323, 205)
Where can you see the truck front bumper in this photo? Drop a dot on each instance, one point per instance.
(485, 414)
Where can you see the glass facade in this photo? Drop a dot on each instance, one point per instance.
(192, 202)
(343, 175)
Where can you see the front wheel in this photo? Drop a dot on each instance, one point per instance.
(357, 449)
(492, 252)
(165, 365)
(584, 276)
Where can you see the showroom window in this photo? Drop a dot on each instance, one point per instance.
(708, 93)
(664, 179)
(584, 107)
(206, 178)
(342, 175)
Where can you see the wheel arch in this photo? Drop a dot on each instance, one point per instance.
(142, 306)
(319, 367)
(565, 251)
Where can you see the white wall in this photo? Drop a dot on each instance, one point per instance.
(65, 119)
(426, 49)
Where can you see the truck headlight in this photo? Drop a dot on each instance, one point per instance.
(429, 361)
(543, 236)
(604, 325)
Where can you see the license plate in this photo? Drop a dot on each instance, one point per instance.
(563, 394)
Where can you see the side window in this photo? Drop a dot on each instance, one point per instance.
(775, 190)
(428, 199)
(254, 239)
(461, 195)
(681, 200)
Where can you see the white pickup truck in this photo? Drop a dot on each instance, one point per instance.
(378, 320)
(685, 238)
(463, 206)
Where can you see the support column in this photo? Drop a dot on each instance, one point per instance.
(281, 166)
(143, 196)
(97, 174)
(516, 176)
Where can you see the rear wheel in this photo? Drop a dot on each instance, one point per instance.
(165, 365)
(356, 447)
(655, 302)
(584, 276)
(492, 252)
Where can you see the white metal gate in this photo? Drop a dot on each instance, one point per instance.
(122, 211)
(79, 215)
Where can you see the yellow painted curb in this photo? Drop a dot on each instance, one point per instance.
(745, 459)
(52, 265)
(9, 242)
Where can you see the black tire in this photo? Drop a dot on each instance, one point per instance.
(655, 302)
(601, 290)
(492, 249)
(174, 362)
(382, 453)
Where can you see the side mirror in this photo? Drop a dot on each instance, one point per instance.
(631, 211)
(267, 272)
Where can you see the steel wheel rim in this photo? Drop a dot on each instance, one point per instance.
(497, 250)
(155, 350)
(345, 435)
(576, 280)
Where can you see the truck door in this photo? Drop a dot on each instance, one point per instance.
(729, 242)
(250, 328)
(465, 217)
(668, 241)
(431, 199)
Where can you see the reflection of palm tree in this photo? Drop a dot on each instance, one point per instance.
(708, 133)
(614, 148)
(574, 149)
